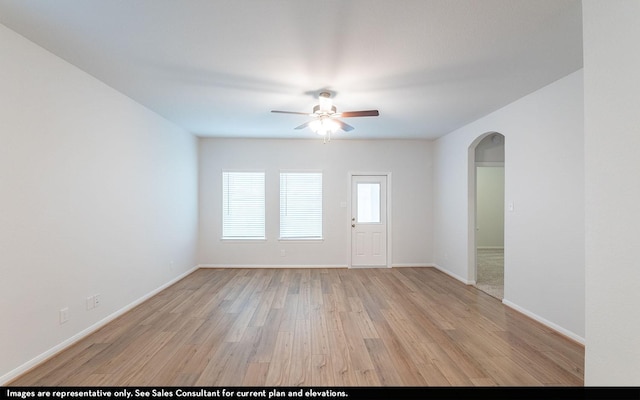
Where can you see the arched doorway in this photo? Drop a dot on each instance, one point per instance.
(486, 213)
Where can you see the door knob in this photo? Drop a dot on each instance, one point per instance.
(353, 225)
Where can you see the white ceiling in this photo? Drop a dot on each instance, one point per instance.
(217, 67)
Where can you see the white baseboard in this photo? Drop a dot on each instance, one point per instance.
(86, 332)
(267, 266)
(415, 265)
(451, 274)
(543, 321)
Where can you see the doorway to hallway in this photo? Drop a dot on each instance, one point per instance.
(489, 207)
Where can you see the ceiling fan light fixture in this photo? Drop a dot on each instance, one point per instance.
(315, 125)
(323, 126)
(331, 125)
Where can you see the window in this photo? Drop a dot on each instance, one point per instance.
(301, 205)
(368, 203)
(243, 205)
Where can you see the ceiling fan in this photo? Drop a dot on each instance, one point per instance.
(325, 117)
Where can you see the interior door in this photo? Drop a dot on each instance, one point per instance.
(369, 221)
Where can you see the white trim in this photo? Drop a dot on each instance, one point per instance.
(490, 247)
(232, 266)
(555, 327)
(300, 170)
(413, 265)
(389, 221)
(6, 378)
(243, 240)
(454, 276)
(403, 265)
(301, 240)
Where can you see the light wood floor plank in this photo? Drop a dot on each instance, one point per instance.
(358, 355)
(300, 373)
(321, 371)
(268, 336)
(280, 365)
(317, 327)
(382, 363)
(343, 371)
(406, 368)
(319, 332)
(256, 374)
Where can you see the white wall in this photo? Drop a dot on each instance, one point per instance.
(612, 129)
(544, 178)
(98, 195)
(490, 207)
(408, 161)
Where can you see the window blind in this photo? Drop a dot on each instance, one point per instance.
(301, 205)
(243, 205)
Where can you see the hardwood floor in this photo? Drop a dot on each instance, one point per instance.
(317, 327)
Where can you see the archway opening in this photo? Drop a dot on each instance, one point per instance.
(486, 213)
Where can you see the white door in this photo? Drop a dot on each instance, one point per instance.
(369, 221)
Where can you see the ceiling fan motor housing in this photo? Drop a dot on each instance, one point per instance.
(317, 110)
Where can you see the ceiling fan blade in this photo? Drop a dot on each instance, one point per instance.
(344, 126)
(303, 125)
(289, 112)
(366, 113)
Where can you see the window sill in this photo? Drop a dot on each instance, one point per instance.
(301, 240)
(246, 240)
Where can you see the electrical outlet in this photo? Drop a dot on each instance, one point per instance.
(64, 315)
(283, 253)
(97, 299)
(90, 302)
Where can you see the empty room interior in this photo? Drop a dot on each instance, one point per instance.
(329, 193)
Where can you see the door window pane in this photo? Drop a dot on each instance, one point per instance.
(368, 198)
